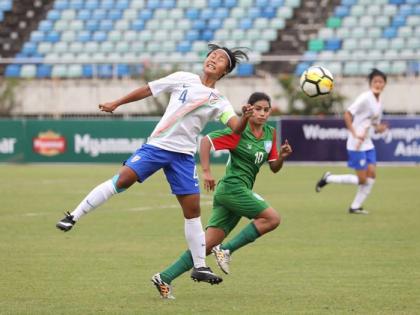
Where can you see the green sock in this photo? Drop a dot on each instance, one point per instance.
(183, 264)
(247, 235)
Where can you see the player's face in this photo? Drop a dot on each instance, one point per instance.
(262, 111)
(216, 64)
(377, 84)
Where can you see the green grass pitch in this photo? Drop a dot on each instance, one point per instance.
(320, 260)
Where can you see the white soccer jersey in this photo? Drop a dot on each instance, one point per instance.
(190, 107)
(366, 111)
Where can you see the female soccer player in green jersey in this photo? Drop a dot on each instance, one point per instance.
(234, 198)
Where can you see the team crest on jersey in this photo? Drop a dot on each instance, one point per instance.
(268, 145)
(213, 98)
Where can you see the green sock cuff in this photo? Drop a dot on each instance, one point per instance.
(183, 264)
(247, 235)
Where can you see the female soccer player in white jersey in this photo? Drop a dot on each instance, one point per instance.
(194, 101)
(360, 118)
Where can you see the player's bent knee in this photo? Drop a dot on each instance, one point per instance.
(275, 221)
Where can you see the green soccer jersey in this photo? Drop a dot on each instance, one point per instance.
(247, 153)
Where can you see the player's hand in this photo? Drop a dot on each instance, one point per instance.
(247, 110)
(108, 107)
(381, 128)
(209, 182)
(285, 149)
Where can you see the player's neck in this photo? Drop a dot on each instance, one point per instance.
(257, 130)
(208, 81)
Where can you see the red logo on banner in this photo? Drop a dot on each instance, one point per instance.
(49, 143)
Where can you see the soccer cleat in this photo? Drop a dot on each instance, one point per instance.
(67, 223)
(358, 211)
(205, 274)
(165, 290)
(222, 258)
(322, 182)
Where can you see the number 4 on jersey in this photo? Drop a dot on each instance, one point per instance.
(183, 96)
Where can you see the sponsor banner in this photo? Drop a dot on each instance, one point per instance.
(325, 139)
(11, 140)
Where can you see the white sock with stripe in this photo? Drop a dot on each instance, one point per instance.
(342, 179)
(94, 199)
(196, 241)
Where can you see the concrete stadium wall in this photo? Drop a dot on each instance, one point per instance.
(59, 97)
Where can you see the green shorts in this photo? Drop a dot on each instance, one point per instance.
(231, 203)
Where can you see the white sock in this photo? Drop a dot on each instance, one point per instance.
(196, 241)
(95, 198)
(362, 192)
(342, 179)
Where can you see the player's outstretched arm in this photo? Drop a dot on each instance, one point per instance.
(136, 95)
(285, 151)
(238, 124)
(205, 147)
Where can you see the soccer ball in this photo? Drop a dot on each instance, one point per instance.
(316, 81)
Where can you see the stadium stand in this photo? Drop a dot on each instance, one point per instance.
(101, 38)
(167, 30)
(378, 33)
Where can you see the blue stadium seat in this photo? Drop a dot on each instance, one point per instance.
(192, 35)
(341, 11)
(207, 35)
(153, 4)
(105, 71)
(333, 44)
(390, 32)
(12, 71)
(301, 67)
(29, 49)
(245, 70)
(84, 15)
(61, 5)
(115, 14)
(45, 26)
(199, 25)
(106, 25)
(123, 70)
(107, 4)
(276, 3)
(269, 12)
(246, 24)
(206, 14)
(221, 13)
(76, 4)
(261, 3)
(229, 3)
(92, 25)
(214, 3)
(43, 71)
(215, 24)
(254, 12)
(87, 71)
(37, 36)
(52, 37)
(84, 36)
(99, 36)
(348, 2)
(396, 1)
(168, 4)
(183, 47)
(137, 25)
(406, 9)
(92, 4)
(398, 20)
(99, 14)
(192, 13)
(146, 14)
(53, 15)
(122, 4)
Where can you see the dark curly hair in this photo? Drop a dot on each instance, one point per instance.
(236, 55)
(376, 73)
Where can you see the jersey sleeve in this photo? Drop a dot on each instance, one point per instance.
(273, 155)
(166, 84)
(224, 139)
(226, 112)
(356, 106)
